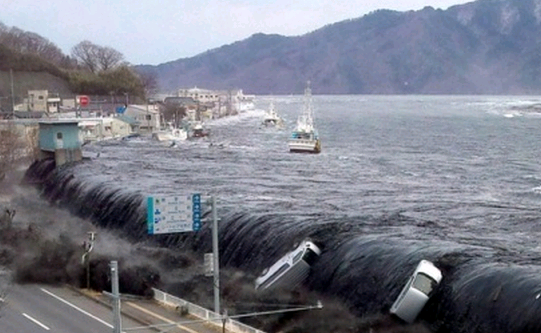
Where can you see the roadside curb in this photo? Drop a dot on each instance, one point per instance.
(99, 301)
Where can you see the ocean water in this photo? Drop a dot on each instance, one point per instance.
(452, 179)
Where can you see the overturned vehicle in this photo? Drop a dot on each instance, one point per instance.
(292, 269)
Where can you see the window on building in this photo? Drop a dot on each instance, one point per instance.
(59, 136)
(40, 97)
(148, 117)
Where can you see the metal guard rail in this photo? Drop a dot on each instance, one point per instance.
(202, 313)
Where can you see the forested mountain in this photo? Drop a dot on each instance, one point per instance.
(483, 47)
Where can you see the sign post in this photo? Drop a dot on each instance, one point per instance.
(215, 251)
(183, 214)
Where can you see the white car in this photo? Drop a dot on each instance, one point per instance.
(291, 269)
(417, 291)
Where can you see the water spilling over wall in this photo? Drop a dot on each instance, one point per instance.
(483, 289)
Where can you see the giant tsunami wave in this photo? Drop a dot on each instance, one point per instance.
(484, 289)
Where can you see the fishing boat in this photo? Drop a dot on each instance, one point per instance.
(198, 131)
(304, 138)
(272, 118)
(171, 134)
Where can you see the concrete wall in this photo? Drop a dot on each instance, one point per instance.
(63, 156)
(27, 131)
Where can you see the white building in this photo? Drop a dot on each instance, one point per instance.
(37, 100)
(96, 129)
(200, 95)
(148, 116)
(53, 104)
(40, 101)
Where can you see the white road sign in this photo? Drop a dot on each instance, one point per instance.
(170, 214)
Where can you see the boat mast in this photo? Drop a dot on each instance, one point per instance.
(308, 104)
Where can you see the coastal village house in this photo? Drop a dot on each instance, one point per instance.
(148, 116)
(102, 128)
(200, 95)
(215, 103)
(40, 101)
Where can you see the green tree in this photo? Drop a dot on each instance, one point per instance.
(122, 80)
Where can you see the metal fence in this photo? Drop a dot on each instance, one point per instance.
(202, 313)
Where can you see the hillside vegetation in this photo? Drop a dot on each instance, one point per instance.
(37, 63)
(482, 47)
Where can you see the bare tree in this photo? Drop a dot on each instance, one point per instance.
(35, 44)
(68, 62)
(96, 58)
(87, 54)
(30, 43)
(150, 83)
(108, 58)
(173, 112)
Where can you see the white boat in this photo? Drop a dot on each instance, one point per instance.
(304, 138)
(172, 134)
(244, 103)
(272, 118)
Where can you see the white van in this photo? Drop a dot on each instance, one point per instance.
(417, 291)
(291, 269)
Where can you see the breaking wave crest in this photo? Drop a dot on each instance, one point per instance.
(483, 290)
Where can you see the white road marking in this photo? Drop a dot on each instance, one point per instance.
(35, 321)
(76, 307)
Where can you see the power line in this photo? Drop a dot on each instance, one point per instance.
(254, 314)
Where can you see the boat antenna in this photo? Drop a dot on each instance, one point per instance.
(308, 103)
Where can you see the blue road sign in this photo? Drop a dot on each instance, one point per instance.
(173, 214)
(196, 212)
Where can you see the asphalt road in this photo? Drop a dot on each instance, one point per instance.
(42, 309)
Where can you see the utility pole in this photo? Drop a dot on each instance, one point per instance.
(215, 251)
(117, 320)
(12, 94)
(148, 119)
(86, 256)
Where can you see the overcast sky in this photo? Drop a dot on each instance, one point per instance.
(154, 32)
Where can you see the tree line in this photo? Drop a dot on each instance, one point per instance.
(89, 69)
